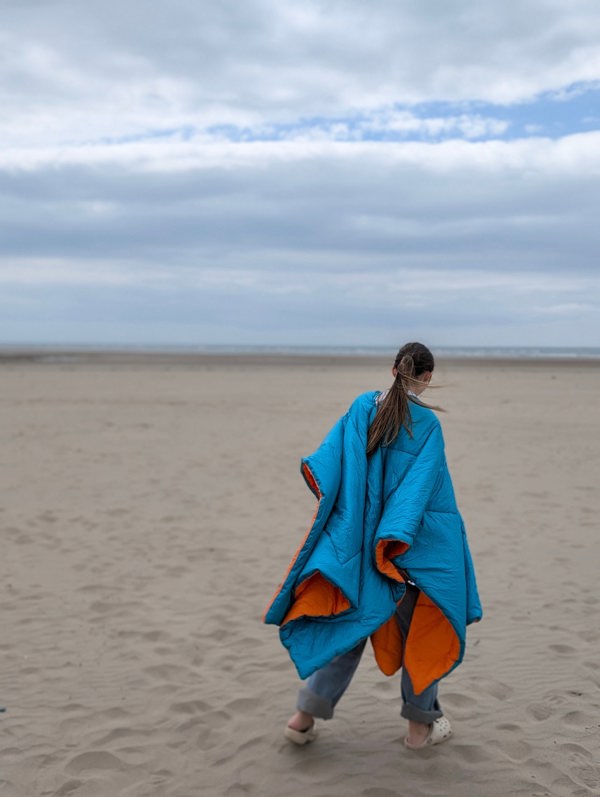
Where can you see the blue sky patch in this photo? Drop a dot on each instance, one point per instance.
(575, 109)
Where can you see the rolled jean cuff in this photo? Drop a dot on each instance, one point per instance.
(314, 704)
(411, 712)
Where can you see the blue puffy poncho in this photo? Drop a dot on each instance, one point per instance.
(379, 521)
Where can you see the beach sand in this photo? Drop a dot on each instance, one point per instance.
(151, 505)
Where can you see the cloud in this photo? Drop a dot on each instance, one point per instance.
(267, 169)
(377, 307)
(88, 69)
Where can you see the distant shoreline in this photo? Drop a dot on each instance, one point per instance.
(310, 350)
(176, 357)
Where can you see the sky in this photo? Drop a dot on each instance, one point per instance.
(306, 172)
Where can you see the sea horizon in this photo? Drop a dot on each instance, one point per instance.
(458, 352)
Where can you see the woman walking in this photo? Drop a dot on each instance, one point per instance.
(386, 558)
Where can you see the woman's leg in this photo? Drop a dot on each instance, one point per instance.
(422, 709)
(319, 696)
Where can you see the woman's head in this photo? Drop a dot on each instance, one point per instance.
(413, 367)
(416, 356)
(412, 371)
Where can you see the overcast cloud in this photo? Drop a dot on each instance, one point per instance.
(300, 172)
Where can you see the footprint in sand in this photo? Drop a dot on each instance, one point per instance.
(239, 790)
(579, 719)
(589, 636)
(497, 689)
(242, 705)
(235, 752)
(6, 788)
(190, 707)
(471, 753)
(584, 770)
(592, 665)
(539, 711)
(514, 749)
(70, 787)
(94, 760)
(575, 752)
(457, 701)
(563, 650)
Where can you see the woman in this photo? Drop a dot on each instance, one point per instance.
(386, 557)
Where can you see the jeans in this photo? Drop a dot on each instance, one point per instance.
(326, 686)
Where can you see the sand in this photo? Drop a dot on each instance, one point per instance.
(149, 509)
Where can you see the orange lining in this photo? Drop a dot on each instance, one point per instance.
(434, 646)
(316, 597)
(387, 646)
(385, 551)
(311, 480)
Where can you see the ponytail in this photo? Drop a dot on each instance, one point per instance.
(413, 360)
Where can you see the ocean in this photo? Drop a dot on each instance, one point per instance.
(459, 352)
(501, 352)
